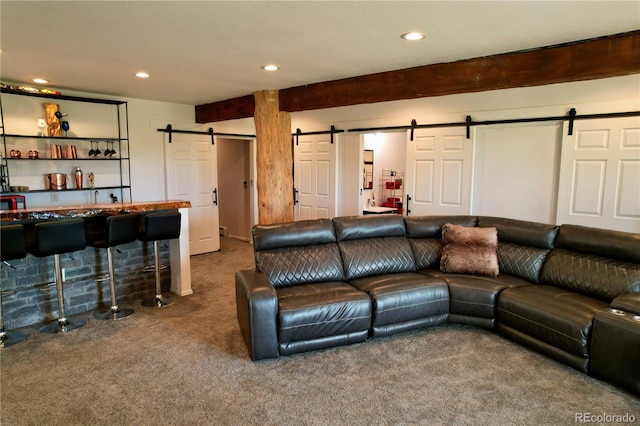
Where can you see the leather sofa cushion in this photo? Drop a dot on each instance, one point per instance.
(404, 296)
(552, 315)
(292, 234)
(426, 252)
(474, 295)
(522, 261)
(372, 256)
(313, 311)
(600, 242)
(368, 226)
(629, 302)
(431, 226)
(290, 266)
(521, 232)
(590, 274)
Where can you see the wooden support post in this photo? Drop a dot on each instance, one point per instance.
(274, 159)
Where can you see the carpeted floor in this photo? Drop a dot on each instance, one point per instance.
(187, 365)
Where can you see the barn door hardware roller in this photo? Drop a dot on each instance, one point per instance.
(169, 129)
(333, 130)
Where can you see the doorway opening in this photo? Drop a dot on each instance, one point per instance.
(236, 187)
(388, 151)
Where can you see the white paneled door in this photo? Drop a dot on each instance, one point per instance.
(314, 158)
(600, 174)
(439, 172)
(191, 167)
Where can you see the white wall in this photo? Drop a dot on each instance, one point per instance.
(147, 147)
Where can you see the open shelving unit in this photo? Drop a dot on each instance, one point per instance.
(94, 123)
(392, 189)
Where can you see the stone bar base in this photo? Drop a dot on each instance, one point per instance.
(29, 290)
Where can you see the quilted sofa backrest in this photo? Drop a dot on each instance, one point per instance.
(297, 252)
(522, 246)
(425, 236)
(373, 244)
(597, 262)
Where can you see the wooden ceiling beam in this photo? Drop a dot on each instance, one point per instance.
(602, 57)
(230, 109)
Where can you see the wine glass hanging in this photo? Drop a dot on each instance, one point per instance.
(65, 127)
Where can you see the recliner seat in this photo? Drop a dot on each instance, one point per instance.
(378, 260)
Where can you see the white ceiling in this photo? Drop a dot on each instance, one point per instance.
(205, 51)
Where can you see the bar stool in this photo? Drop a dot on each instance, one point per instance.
(55, 238)
(119, 229)
(159, 226)
(13, 247)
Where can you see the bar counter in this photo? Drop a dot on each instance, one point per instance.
(28, 287)
(87, 210)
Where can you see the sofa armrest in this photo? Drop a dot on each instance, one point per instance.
(629, 302)
(257, 309)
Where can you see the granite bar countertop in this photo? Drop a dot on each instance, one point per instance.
(88, 210)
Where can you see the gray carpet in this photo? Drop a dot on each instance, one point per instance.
(187, 365)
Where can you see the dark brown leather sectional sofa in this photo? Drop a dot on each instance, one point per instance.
(570, 292)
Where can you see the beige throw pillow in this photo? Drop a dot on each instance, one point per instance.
(469, 250)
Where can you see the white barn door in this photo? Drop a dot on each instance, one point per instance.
(600, 174)
(516, 171)
(192, 175)
(314, 177)
(439, 171)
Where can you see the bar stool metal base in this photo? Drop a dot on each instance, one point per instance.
(62, 326)
(10, 339)
(113, 314)
(157, 302)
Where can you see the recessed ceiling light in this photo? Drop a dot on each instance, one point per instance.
(412, 36)
(270, 67)
(40, 80)
(142, 74)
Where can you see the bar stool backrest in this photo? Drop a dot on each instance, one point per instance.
(60, 236)
(13, 242)
(120, 229)
(161, 226)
